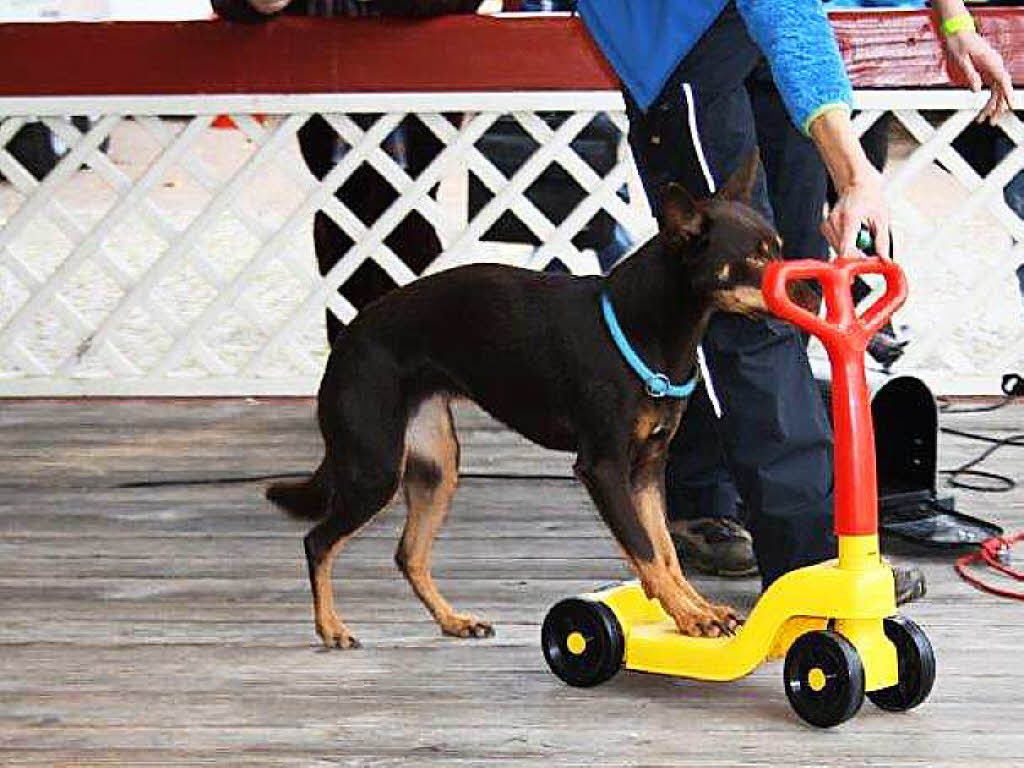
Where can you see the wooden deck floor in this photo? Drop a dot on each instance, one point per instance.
(171, 624)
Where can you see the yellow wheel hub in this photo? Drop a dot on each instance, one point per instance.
(576, 643)
(816, 679)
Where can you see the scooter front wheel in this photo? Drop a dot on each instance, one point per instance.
(824, 678)
(583, 642)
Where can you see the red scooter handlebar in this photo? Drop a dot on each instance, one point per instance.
(836, 279)
(845, 337)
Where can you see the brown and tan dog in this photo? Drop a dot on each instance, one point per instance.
(532, 350)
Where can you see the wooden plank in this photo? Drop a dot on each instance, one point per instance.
(651, 733)
(403, 625)
(535, 708)
(111, 442)
(285, 566)
(590, 546)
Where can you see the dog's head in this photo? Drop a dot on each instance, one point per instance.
(722, 243)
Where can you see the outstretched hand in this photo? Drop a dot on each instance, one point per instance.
(980, 64)
(862, 203)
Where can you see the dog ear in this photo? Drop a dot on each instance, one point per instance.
(740, 186)
(681, 217)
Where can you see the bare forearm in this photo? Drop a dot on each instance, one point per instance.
(861, 198)
(842, 154)
(972, 58)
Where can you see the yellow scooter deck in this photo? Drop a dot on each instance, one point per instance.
(802, 600)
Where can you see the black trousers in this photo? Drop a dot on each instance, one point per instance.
(772, 442)
(368, 194)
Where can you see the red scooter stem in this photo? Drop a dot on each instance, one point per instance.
(845, 337)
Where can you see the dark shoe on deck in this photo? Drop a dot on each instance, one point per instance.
(910, 584)
(886, 349)
(719, 546)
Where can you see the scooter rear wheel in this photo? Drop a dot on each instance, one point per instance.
(582, 642)
(824, 678)
(916, 661)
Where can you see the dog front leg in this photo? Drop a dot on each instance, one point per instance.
(648, 491)
(608, 481)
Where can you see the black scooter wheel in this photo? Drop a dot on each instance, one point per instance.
(824, 678)
(916, 661)
(583, 642)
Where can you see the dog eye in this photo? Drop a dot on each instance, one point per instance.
(768, 249)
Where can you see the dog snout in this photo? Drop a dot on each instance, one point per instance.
(742, 299)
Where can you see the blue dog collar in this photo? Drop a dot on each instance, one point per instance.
(657, 384)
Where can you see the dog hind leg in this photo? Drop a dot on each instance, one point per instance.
(322, 545)
(360, 486)
(430, 478)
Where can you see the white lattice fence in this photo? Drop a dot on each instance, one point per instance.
(181, 260)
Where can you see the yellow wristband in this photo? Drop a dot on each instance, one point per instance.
(962, 23)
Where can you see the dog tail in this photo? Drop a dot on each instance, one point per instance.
(301, 500)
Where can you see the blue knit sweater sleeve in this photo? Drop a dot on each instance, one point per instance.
(797, 39)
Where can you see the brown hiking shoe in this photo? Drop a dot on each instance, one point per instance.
(719, 546)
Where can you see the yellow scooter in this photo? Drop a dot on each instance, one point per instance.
(835, 623)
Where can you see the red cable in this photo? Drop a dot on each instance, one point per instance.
(989, 555)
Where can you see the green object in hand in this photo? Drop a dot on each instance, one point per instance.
(865, 241)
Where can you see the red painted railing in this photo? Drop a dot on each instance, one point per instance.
(893, 49)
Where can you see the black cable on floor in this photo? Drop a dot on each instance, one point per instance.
(214, 480)
(240, 479)
(1013, 389)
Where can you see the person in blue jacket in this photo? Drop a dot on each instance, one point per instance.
(705, 81)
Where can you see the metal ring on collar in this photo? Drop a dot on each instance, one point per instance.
(658, 385)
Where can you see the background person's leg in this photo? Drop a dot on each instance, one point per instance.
(1013, 193)
(774, 429)
(777, 439)
(368, 195)
(794, 477)
(702, 499)
(774, 432)
(795, 175)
